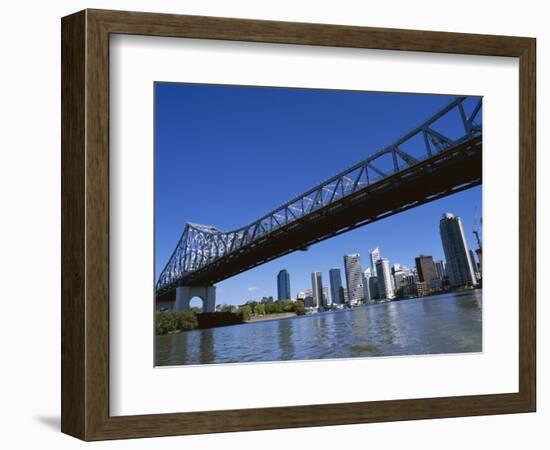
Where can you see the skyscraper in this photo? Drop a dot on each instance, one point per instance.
(373, 288)
(440, 268)
(367, 275)
(354, 278)
(374, 256)
(459, 266)
(327, 299)
(345, 295)
(383, 273)
(317, 289)
(336, 291)
(283, 285)
(425, 268)
(399, 278)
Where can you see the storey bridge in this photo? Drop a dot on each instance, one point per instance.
(422, 166)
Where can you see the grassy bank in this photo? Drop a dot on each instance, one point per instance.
(274, 316)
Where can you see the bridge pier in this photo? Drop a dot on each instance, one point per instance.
(184, 294)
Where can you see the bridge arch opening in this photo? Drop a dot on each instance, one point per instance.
(196, 303)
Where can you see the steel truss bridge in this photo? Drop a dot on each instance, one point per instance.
(355, 197)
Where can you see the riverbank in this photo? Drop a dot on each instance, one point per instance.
(274, 316)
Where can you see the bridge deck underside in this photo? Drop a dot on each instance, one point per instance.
(448, 172)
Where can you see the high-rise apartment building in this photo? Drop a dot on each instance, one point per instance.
(459, 265)
(327, 299)
(354, 278)
(383, 274)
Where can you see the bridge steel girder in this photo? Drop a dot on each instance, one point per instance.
(450, 171)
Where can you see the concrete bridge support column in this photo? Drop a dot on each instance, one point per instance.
(184, 294)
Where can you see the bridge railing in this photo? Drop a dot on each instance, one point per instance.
(200, 245)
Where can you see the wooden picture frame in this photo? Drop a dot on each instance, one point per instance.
(85, 224)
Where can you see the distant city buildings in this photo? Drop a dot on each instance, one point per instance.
(306, 297)
(373, 288)
(374, 256)
(336, 288)
(283, 285)
(369, 296)
(426, 269)
(317, 289)
(399, 275)
(472, 259)
(385, 281)
(385, 284)
(422, 288)
(354, 278)
(459, 265)
(475, 265)
(346, 297)
(327, 299)
(479, 254)
(440, 269)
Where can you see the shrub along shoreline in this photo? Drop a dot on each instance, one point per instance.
(169, 322)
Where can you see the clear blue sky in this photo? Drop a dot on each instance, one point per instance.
(225, 155)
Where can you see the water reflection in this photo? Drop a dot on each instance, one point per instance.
(447, 323)
(286, 344)
(206, 346)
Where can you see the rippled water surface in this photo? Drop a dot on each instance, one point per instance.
(446, 323)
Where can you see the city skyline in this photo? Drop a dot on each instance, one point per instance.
(319, 132)
(385, 267)
(300, 274)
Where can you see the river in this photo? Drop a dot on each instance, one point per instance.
(445, 323)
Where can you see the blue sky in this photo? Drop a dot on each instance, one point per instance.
(226, 155)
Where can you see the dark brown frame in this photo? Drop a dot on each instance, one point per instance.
(85, 224)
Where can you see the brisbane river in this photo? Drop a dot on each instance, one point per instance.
(445, 323)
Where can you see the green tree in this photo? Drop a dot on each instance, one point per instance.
(227, 308)
(287, 306)
(171, 321)
(187, 320)
(244, 312)
(299, 308)
(259, 309)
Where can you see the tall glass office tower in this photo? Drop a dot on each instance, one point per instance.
(317, 289)
(336, 291)
(283, 285)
